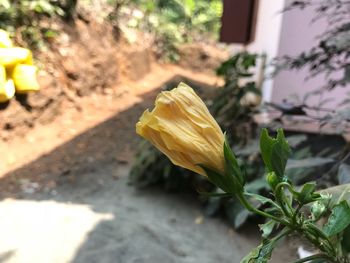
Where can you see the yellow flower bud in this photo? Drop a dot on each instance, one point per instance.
(183, 129)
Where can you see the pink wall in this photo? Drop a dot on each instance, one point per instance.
(298, 34)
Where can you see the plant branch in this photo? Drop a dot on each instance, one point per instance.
(251, 208)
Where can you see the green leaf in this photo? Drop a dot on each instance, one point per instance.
(232, 167)
(227, 65)
(338, 220)
(346, 240)
(267, 228)
(261, 199)
(280, 154)
(266, 143)
(260, 254)
(215, 177)
(307, 193)
(317, 210)
(275, 152)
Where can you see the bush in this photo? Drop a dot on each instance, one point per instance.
(179, 21)
(24, 16)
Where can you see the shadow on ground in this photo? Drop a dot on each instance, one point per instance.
(111, 142)
(127, 225)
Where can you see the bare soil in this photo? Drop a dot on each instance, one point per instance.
(102, 129)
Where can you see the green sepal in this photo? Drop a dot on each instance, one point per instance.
(232, 168)
(225, 183)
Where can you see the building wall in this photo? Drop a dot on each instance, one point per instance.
(298, 34)
(281, 33)
(267, 36)
(290, 33)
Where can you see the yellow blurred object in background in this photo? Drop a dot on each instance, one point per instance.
(5, 40)
(2, 76)
(7, 87)
(8, 91)
(15, 55)
(17, 72)
(24, 77)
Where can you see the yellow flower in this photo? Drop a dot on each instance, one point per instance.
(183, 129)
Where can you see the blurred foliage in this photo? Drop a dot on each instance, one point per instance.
(178, 21)
(234, 104)
(22, 18)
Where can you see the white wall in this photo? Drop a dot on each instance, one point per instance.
(289, 33)
(267, 36)
(299, 34)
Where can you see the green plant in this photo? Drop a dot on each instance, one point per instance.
(291, 209)
(24, 16)
(174, 22)
(231, 106)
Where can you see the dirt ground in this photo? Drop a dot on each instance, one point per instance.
(102, 129)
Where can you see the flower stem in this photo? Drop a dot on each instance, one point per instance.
(322, 235)
(282, 199)
(251, 208)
